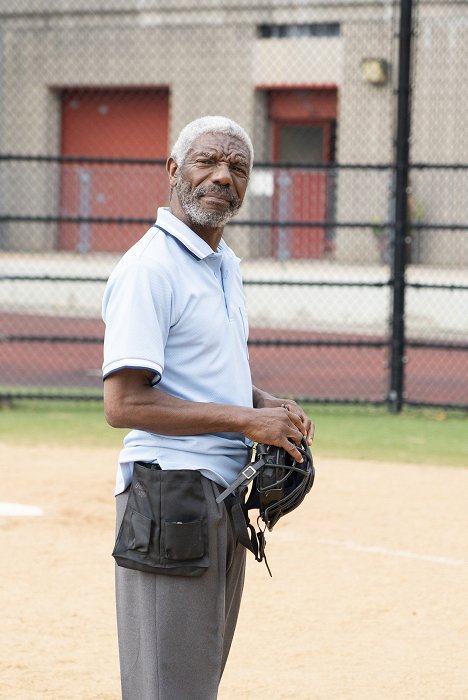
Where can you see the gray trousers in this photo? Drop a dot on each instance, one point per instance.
(175, 632)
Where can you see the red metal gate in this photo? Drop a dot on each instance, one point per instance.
(303, 122)
(111, 123)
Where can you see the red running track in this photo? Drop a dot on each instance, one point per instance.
(360, 374)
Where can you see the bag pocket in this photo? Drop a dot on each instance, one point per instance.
(183, 540)
(140, 532)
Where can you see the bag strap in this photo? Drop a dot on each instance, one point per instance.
(243, 478)
(245, 532)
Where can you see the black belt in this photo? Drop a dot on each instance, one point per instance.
(150, 465)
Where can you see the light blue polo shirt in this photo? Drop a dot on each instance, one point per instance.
(177, 308)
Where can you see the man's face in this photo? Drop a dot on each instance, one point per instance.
(212, 181)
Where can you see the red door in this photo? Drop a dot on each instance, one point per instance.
(112, 124)
(303, 127)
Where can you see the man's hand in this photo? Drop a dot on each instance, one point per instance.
(275, 426)
(295, 416)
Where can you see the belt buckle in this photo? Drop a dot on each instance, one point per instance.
(252, 473)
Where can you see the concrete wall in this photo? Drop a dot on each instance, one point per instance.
(440, 131)
(212, 62)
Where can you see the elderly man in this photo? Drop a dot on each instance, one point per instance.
(176, 372)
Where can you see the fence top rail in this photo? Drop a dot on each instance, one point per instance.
(50, 219)
(265, 283)
(104, 160)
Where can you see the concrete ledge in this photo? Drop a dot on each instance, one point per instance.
(345, 309)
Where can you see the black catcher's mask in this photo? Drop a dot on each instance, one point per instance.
(281, 483)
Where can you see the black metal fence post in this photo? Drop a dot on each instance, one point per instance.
(396, 392)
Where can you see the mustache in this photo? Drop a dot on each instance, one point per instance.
(224, 190)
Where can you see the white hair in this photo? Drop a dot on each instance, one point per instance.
(209, 125)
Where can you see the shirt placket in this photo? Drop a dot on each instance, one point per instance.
(214, 262)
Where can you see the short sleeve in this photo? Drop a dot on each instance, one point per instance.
(137, 312)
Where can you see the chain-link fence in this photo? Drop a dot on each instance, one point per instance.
(94, 93)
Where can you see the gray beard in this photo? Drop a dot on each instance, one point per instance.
(190, 202)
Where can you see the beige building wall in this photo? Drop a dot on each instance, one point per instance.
(440, 131)
(212, 62)
(41, 57)
(365, 136)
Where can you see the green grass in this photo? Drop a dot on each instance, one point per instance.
(356, 432)
(421, 436)
(69, 423)
(21, 392)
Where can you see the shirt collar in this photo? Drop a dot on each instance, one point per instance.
(192, 241)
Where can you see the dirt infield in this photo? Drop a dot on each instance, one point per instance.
(368, 599)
